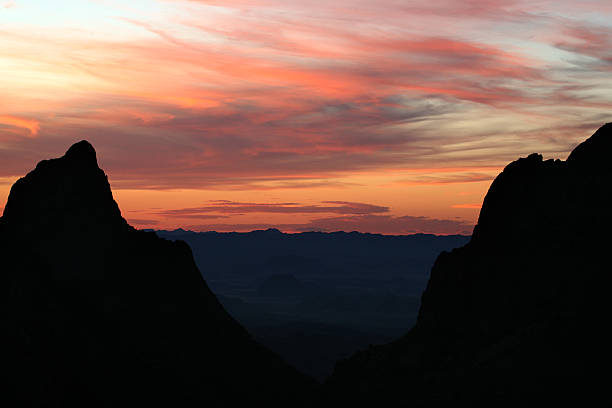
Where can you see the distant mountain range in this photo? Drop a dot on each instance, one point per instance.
(317, 297)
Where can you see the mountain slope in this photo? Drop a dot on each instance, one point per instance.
(518, 316)
(96, 313)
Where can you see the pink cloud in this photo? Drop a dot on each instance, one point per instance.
(594, 42)
(287, 95)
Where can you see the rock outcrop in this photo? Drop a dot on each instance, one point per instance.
(518, 316)
(95, 313)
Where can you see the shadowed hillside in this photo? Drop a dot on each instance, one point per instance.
(518, 316)
(96, 313)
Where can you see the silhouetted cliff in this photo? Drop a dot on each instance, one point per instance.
(518, 316)
(96, 313)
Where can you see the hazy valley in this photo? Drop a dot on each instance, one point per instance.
(317, 297)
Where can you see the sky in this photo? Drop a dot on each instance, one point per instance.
(387, 116)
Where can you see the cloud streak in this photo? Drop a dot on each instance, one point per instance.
(593, 42)
(230, 207)
(282, 97)
(32, 126)
(333, 216)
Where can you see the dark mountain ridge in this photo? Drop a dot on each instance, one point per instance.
(96, 313)
(518, 316)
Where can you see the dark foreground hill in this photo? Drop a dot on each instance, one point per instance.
(517, 317)
(96, 313)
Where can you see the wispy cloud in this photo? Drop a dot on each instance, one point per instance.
(467, 206)
(142, 222)
(230, 207)
(32, 126)
(339, 216)
(594, 42)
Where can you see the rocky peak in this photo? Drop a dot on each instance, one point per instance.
(594, 152)
(82, 152)
(60, 192)
(518, 314)
(95, 313)
(533, 197)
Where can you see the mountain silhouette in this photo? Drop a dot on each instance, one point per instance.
(518, 316)
(96, 313)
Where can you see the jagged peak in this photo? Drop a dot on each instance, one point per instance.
(594, 151)
(64, 188)
(533, 160)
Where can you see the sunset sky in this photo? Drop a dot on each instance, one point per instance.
(387, 116)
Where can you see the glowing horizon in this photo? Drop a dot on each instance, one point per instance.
(389, 116)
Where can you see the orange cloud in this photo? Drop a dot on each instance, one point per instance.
(470, 206)
(31, 125)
